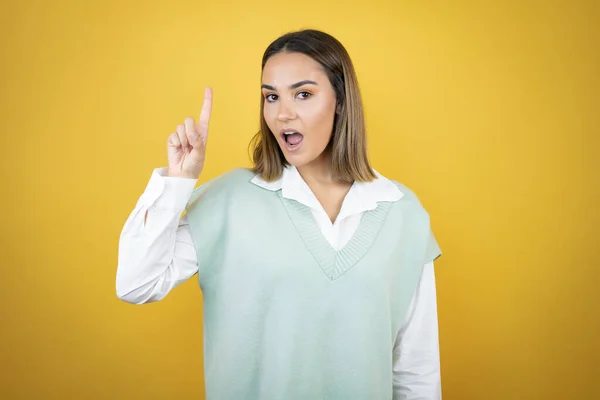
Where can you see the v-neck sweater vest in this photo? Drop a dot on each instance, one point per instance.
(285, 315)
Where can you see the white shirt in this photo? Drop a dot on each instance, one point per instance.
(157, 255)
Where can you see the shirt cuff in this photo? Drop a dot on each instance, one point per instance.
(166, 192)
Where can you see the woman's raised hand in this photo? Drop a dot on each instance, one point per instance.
(186, 148)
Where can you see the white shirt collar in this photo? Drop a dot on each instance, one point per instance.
(363, 196)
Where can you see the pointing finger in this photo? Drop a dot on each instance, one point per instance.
(205, 113)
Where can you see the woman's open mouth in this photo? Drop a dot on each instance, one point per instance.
(292, 139)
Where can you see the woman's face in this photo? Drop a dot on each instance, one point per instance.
(299, 106)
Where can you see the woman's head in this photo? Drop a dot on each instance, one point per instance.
(311, 109)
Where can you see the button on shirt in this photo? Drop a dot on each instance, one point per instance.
(156, 254)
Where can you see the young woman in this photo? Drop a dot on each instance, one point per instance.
(316, 271)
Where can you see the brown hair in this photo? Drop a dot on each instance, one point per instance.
(348, 142)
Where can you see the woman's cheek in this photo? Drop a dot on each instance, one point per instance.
(269, 119)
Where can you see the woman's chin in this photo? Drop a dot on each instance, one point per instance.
(299, 160)
(296, 160)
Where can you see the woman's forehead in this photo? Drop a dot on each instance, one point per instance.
(284, 69)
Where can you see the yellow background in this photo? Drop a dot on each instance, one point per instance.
(490, 112)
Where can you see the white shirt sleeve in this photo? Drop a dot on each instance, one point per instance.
(156, 251)
(416, 350)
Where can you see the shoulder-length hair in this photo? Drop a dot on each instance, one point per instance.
(348, 143)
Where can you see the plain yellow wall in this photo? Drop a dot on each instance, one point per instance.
(490, 112)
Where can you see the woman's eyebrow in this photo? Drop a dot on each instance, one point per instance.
(294, 86)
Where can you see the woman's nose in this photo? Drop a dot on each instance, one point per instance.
(286, 111)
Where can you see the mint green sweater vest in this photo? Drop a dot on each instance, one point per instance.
(285, 315)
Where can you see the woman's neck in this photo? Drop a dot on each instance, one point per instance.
(329, 191)
(319, 172)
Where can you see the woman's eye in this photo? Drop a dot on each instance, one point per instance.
(271, 97)
(304, 95)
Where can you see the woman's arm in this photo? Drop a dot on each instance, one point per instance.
(156, 252)
(416, 351)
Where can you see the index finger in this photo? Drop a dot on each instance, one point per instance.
(205, 113)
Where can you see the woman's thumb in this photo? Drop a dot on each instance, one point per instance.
(196, 142)
(193, 137)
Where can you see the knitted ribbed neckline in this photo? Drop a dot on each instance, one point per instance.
(335, 263)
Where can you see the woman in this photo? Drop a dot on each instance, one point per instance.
(316, 271)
